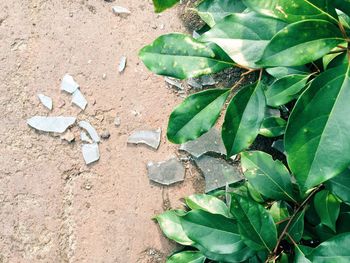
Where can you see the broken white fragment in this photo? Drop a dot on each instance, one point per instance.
(122, 64)
(167, 172)
(119, 10)
(68, 84)
(46, 101)
(195, 35)
(91, 130)
(84, 137)
(173, 82)
(148, 137)
(91, 153)
(79, 99)
(51, 124)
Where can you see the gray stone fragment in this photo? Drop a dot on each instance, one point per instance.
(51, 124)
(207, 80)
(122, 64)
(91, 130)
(194, 83)
(84, 137)
(91, 153)
(79, 99)
(148, 137)
(105, 135)
(119, 10)
(167, 172)
(68, 84)
(46, 101)
(208, 142)
(217, 172)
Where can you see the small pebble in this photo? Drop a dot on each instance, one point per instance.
(105, 135)
(117, 121)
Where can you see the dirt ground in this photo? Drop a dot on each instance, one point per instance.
(53, 208)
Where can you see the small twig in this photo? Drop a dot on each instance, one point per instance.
(284, 220)
(291, 239)
(238, 83)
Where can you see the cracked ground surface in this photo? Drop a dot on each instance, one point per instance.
(53, 208)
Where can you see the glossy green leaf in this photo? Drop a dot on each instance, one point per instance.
(254, 194)
(273, 127)
(293, 10)
(256, 225)
(334, 250)
(180, 56)
(187, 257)
(327, 207)
(343, 5)
(215, 236)
(340, 186)
(207, 203)
(315, 133)
(296, 228)
(280, 72)
(170, 223)
(270, 177)
(279, 211)
(285, 89)
(243, 118)
(243, 36)
(300, 43)
(300, 256)
(161, 5)
(212, 11)
(196, 115)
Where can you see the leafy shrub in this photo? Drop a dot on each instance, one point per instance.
(291, 210)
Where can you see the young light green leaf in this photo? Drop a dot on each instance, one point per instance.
(215, 236)
(207, 203)
(256, 225)
(243, 118)
(340, 186)
(343, 5)
(243, 36)
(327, 207)
(180, 56)
(285, 89)
(170, 223)
(273, 127)
(335, 249)
(280, 72)
(212, 11)
(279, 211)
(196, 115)
(161, 5)
(315, 129)
(270, 177)
(300, 43)
(187, 257)
(293, 10)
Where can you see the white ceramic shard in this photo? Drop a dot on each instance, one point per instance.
(119, 10)
(79, 99)
(174, 82)
(91, 153)
(68, 84)
(148, 137)
(91, 130)
(84, 137)
(51, 124)
(167, 172)
(46, 101)
(122, 64)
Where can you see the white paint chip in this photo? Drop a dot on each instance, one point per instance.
(91, 153)
(79, 99)
(148, 137)
(91, 130)
(119, 10)
(45, 100)
(122, 64)
(68, 84)
(51, 124)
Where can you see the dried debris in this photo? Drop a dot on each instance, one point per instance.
(208, 142)
(91, 153)
(68, 84)
(122, 64)
(148, 137)
(167, 172)
(79, 99)
(200, 82)
(45, 100)
(51, 124)
(217, 172)
(119, 10)
(91, 130)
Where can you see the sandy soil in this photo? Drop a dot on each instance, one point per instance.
(53, 208)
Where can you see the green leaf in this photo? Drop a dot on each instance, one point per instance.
(243, 118)
(293, 10)
(343, 5)
(212, 11)
(243, 36)
(285, 89)
(270, 177)
(273, 127)
(296, 229)
(196, 115)
(161, 5)
(280, 72)
(180, 56)
(327, 207)
(254, 194)
(300, 256)
(317, 127)
(215, 236)
(208, 203)
(187, 257)
(300, 43)
(340, 186)
(170, 223)
(334, 250)
(256, 225)
(279, 211)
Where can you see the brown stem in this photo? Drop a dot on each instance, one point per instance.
(284, 220)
